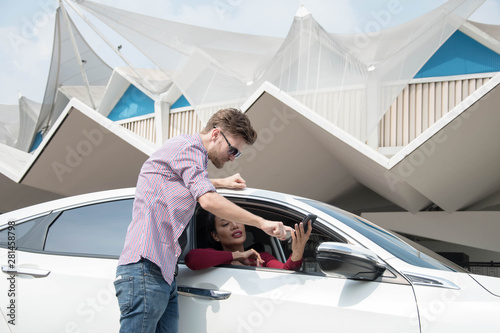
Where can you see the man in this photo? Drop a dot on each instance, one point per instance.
(170, 183)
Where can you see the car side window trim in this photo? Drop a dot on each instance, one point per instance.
(275, 211)
(34, 238)
(94, 230)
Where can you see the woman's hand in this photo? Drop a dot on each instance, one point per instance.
(299, 240)
(247, 258)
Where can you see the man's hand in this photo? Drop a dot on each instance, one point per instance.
(275, 229)
(235, 182)
(232, 182)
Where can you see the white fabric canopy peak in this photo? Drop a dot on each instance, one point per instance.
(359, 80)
(64, 71)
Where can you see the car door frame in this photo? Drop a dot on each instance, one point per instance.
(222, 280)
(95, 304)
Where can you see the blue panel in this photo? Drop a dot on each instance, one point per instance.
(132, 104)
(460, 55)
(180, 103)
(36, 142)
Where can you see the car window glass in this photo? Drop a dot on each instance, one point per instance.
(261, 242)
(97, 229)
(289, 217)
(309, 263)
(20, 230)
(386, 240)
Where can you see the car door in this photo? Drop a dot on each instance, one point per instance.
(65, 270)
(249, 299)
(268, 300)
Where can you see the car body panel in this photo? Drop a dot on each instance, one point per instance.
(490, 283)
(78, 293)
(267, 300)
(77, 296)
(467, 309)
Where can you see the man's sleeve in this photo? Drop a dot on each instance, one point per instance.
(189, 165)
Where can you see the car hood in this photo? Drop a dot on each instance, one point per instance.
(490, 283)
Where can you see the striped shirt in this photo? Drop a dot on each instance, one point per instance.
(169, 185)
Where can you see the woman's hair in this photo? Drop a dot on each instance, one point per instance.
(207, 222)
(232, 121)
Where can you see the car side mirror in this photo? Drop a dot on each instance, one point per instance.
(349, 261)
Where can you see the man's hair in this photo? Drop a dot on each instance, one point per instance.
(232, 121)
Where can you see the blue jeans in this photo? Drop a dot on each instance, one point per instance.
(148, 304)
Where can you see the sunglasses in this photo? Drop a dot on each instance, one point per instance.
(232, 150)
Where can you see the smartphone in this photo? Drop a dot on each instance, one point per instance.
(308, 217)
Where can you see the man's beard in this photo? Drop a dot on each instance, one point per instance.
(216, 160)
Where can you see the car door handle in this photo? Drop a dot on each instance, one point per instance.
(203, 293)
(38, 273)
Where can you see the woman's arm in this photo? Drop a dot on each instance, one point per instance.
(294, 262)
(299, 240)
(205, 258)
(272, 262)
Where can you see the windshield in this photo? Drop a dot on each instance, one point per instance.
(381, 237)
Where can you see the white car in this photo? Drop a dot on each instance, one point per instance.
(59, 260)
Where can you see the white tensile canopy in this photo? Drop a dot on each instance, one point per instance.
(348, 79)
(67, 64)
(64, 71)
(9, 124)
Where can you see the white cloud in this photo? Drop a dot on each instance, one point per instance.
(155, 8)
(25, 62)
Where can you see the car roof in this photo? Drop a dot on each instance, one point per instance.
(117, 193)
(64, 202)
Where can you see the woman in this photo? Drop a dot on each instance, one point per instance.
(228, 238)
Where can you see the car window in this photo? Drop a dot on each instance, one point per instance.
(289, 217)
(20, 230)
(309, 263)
(256, 238)
(97, 230)
(383, 238)
(261, 242)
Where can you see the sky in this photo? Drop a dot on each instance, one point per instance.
(27, 26)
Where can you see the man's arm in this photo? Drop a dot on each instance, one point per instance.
(223, 208)
(233, 182)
